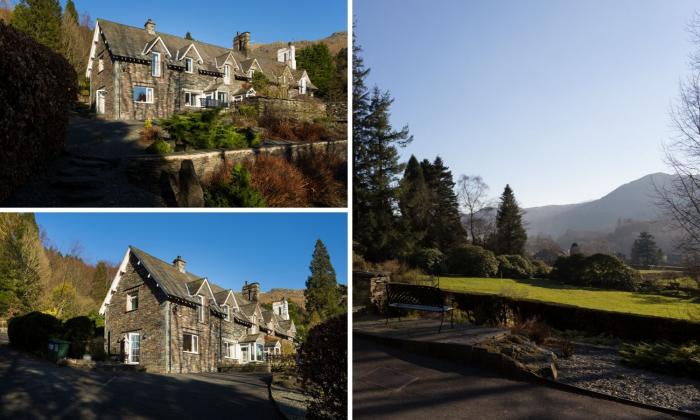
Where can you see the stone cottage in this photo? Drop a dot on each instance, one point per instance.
(139, 73)
(166, 319)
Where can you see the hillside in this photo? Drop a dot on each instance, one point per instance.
(335, 42)
(632, 201)
(293, 295)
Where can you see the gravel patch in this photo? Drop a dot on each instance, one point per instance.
(600, 369)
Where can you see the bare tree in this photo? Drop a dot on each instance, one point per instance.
(472, 192)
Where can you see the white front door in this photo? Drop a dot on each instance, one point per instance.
(100, 101)
(133, 348)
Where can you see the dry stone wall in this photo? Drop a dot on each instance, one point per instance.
(302, 110)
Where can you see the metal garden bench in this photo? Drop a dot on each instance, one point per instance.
(417, 298)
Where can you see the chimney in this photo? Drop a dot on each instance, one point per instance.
(281, 308)
(288, 56)
(179, 263)
(241, 41)
(251, 291)
(150, 27)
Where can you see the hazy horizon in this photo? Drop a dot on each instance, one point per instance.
(564, 101)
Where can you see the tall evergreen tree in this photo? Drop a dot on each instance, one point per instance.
(41, 19)
(321, 293)
(319, 63)
(645, 251)
(510, 236)
(376, 168)
(100, 282)
(188, 35)
(445, 229)
(71, 11)
(415, 204)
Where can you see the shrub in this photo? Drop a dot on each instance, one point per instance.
(282, 184)
(233, 189)
(473, 261)
(514, 267)
(598, 270)
(160, 147)
(247, 111)
(540, 269)
(32, 331)
(207, 130)
(664, 357)
(280, 128)
(326, 174)
(79, 331)
(533, 329)
(324, 357)
(37, 92)
(429, 260)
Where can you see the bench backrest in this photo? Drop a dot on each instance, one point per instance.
(413, 294)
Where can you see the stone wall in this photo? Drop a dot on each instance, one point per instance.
(147, 319)
(369, 289)
(337, 111)
(146, 170)
(303, 110)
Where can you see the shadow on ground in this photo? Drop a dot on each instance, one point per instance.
(35, 388)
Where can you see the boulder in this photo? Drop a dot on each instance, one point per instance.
(190, 192)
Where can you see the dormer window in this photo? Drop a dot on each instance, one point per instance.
(189, 66)
(200, 309)
(227, 74)
(251, 72)
(227, 312)
(155, 64)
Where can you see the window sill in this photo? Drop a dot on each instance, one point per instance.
(140, 102)
(190, 352)
(131, 310)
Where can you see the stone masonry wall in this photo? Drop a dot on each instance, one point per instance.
(146, 170)
(303, 110)
(103, 79)
(147, 319)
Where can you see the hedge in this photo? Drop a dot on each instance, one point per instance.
(472, 261)
(32, 331)
(324, 357)
(494, 309)
(36, 94)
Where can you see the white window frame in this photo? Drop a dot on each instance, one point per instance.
(200, 309)
(189, 63)
(155, 64)
(197, 94)
(231, 350)
(149, 94)
(227, 312)
(251, 72)
(128, 347)
(302, 86)
(227, 74)
(130, 301)
(194, 343)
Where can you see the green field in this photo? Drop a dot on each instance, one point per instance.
(550, 291)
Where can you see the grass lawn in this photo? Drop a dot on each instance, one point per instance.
(550, 291)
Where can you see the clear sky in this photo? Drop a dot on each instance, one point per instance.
(228, 248)
(565, 100)
(216, 22)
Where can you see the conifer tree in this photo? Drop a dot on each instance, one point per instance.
(645, 251)
(415, 204)
(100, 282)
(321, 293)
(376, 168)
(445, 229)
(510, 236)
(188, 35)
(71, 11)
(41, 19)
(319, 63)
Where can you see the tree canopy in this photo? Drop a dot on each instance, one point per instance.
(321, 293)
(319, 63)
(510, 236)
(41, 19)
(644, 250)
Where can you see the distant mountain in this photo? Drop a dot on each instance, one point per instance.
(335, 42)
(292, 295)
(632, 201)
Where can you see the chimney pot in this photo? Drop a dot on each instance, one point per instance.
(179, 263)
(150, 26)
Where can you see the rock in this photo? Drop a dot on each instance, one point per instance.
(169, 188)
(190, 192)
(549, 372)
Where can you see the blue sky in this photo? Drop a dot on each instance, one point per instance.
(216, 22)
(565, 100)
(228, 248)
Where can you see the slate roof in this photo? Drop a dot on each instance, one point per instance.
(182, 285)
(130, 41)
(251, 338)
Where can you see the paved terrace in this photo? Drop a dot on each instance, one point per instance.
(425, 330)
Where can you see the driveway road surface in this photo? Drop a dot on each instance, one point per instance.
(32, 388)
(394, 384)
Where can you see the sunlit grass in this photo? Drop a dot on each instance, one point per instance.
(550, 291)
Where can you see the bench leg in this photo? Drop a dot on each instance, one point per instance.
(452, 317)
(441, 321)
(387, 316)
